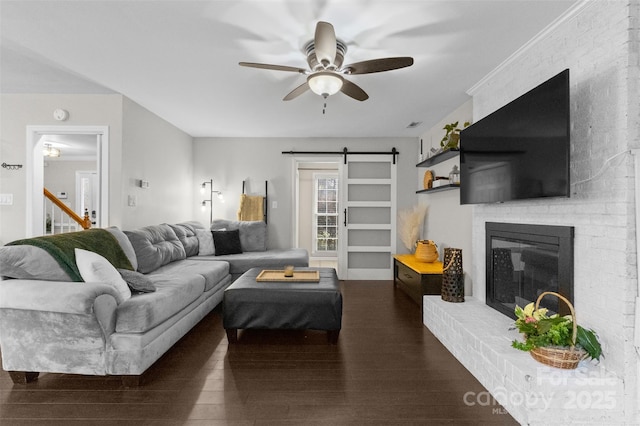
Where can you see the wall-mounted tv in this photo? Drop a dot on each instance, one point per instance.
(520, 151)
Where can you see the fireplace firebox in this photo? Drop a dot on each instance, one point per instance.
(525, 260)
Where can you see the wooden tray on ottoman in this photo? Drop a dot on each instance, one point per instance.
(298, 276)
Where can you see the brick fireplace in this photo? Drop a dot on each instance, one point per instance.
(603, 209)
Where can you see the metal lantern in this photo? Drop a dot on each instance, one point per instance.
(454, 176)
(452, 276)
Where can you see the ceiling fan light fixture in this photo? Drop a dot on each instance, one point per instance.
(325, 83)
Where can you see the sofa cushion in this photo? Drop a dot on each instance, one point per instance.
(253, 234)
(227, 242)
(186, 233)
(212, 271)
(30, 263)
(155, 246)
(270, 259)
(125, 244)
(144, 311)
(96, 269)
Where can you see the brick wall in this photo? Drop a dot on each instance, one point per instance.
(599, 44)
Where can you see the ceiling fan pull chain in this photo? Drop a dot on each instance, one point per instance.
(324, 108)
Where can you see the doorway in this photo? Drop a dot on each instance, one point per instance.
(86, 196)
(317, 210)
(92, 142)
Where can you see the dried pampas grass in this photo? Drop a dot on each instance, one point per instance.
(410, 224)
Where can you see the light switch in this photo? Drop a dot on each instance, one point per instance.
(6, 199)
(274, 204)
(132, 200)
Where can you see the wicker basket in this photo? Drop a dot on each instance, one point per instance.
(426, 251)
(567, 357)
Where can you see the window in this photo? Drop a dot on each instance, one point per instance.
(325, 221)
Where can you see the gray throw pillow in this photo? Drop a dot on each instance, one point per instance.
(205, 242)
(137, 281)
(125, 244)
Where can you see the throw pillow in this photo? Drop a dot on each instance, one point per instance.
(125, 244)
(227, 242)
(137, 282)
(95, 268)
(205, 242)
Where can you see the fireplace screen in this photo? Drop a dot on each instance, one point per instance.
(525, 260)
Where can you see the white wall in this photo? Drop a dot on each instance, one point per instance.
(158, 152)
(20, 111)
(447, 223)
(229, 161)
(600, 47)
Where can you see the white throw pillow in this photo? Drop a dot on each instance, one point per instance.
(205, 242)
(96, 269)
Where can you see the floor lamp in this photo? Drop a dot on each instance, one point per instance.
(203, 187)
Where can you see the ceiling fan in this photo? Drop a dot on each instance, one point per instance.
(325, 76)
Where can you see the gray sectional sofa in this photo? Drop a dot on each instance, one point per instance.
(50, 323)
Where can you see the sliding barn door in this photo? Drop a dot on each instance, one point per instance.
(368, 188)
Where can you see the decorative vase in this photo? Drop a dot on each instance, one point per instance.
(426, 251)
(452, 276)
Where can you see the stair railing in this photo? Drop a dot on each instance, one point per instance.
(67, 218)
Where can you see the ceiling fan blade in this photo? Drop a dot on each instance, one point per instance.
(273, 67)
(378, 65)
(325, 43)
(354, 91)
(297, 91)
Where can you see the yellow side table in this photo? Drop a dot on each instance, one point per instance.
(416, 278)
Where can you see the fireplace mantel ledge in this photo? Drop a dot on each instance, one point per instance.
(480, 338)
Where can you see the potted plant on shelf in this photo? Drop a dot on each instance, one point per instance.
(554, 340)
(451, 138)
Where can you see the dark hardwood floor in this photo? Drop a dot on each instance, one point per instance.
(387, 369)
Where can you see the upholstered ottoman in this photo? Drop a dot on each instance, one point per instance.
(248, 303)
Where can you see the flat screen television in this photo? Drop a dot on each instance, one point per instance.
(521, 151)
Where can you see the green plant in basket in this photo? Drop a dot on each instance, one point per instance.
(541, 330)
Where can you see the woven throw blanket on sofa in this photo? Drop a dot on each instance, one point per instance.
(61, 247)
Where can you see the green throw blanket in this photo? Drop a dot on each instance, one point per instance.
(61, 247)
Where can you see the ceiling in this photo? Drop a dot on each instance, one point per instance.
(179, 59)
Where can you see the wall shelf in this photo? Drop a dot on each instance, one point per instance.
(439, 189)
(439, 158)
